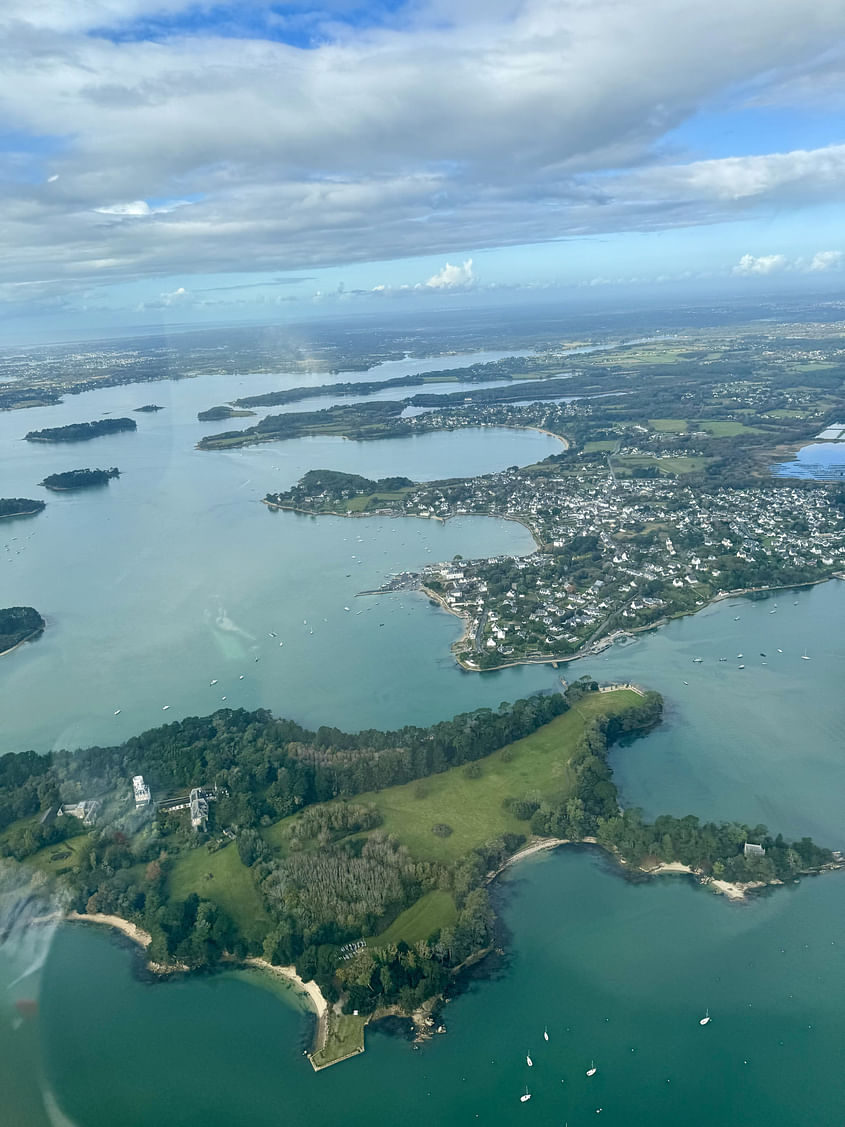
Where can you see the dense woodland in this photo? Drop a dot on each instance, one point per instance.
(380, 419)
(80, 479)
(340, 876)
(81, 432)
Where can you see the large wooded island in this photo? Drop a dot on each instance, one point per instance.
(79, 479)
(82, 432)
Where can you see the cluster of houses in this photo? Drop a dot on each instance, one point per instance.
(661, 546)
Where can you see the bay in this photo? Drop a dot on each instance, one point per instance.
(175, 576)
(820, 461)
(607, 965)
(618, 973)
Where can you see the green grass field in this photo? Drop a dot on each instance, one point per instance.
(345, 1036)
(672, 426)
(538, 764)
(724, 428)
(679, 465)
(599, 445)
(359, 504)
(74, 845)
(434, 910)
(231, 886)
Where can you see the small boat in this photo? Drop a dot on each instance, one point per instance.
(686, 682)
(740, 667)
(736, 619)
(804, 656)
(117, 712)
(545, 1034)
(706, 1019)
(762, 654)
(272, 635)
(723, 659)
(739, 655)
(698, 660)
(592, 1070)
(222, 698)
(214, 682)
(525, 1097)
(165, 707)
(780, 651)
(529, 1061)
(346, 608)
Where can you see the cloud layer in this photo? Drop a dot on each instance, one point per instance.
(512, 121)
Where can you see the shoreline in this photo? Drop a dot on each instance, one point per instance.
(125, 927)
(310, 990)
(28, 513)
(735, 891)
(590, 651)
(29, 638)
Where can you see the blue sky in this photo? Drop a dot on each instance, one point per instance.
(167, 160)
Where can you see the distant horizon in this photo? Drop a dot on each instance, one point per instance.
(181, 160)
(802, 305)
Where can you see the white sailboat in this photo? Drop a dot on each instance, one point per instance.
(592, 1070)
(706, 1019)
(804, 656)
(529, 1061)
(526, 1096)
(545, 1034)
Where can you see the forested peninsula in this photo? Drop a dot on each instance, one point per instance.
(81, 432)
(514, 368)
(361, 859)
(79, 479)
(18, 624)
(20, 507)
(361, 421)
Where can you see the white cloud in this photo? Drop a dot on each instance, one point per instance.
(750, 265)
(452, 126)
(452, 277)
(764, 264)
(827, 260)
(135, 208)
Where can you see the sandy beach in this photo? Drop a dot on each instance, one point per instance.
(130, 930)
(311, 989)
(732, 890)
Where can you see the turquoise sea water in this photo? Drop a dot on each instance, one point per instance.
(175, 575)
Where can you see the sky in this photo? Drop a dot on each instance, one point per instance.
(168, 161)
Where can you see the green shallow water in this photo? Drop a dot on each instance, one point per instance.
(618, 973)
